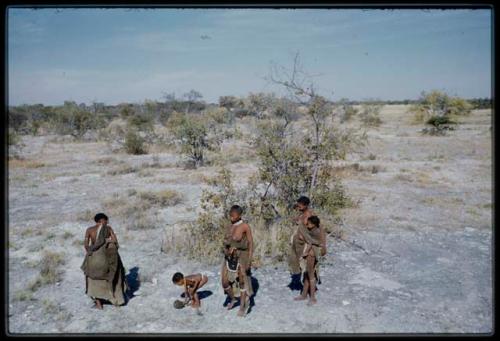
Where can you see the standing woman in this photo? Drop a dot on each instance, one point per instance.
(102, 266)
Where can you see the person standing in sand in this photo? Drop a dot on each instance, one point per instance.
(297, 242)
(312, 235)
(238, 246)
(102, 266)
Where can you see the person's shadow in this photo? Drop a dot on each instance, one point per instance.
(133, 282)
(201, 294)
(255, 287)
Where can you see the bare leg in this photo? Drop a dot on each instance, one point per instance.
(98, 304)
(244, 299)
(228, 289)
(243, 303)
(305, 290)
(196, 301)
(312, 280)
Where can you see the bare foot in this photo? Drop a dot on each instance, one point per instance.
(312, 301)
(300, 298)
(231, 305)
(98, 305)
(241, 312)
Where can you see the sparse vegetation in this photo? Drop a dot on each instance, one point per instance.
(25, 163)
(346, 110)
(438, 104)
(162, 198)
(50, 271)
(370, 114)
(193, 137)
(134, 143)
(124, 169)
(439, 125)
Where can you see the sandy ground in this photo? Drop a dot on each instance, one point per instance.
(423, 226)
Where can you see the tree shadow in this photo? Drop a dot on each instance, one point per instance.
(133, 282)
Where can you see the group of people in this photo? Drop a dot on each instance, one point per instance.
(105, 274)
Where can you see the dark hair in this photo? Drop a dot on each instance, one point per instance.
(177, 277)
(304, 200)
(100, 216)
(237, 209)
(314, 220)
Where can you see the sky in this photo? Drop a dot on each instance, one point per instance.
(124, 55)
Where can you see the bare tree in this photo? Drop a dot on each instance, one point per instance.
(301, 88)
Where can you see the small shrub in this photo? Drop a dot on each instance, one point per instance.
(67, 235)
(438, 104)
(370, 114)
(332, 200)
(49, 307)
(124, 169)
(346, 110)
(140, 122)
(24, 295)
(50, 272)
(14, 138)
(439, 125)
(86, 215)
(163, 198)
(193, 137)
(134, 143)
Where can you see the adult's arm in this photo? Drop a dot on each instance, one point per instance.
(250, 242)
(86, 240)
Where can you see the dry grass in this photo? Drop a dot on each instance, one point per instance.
(50, 272)
(107, 161)
(24, 295)
(49, 307)
(26, 163)
(86, 215)
(134, 208)
(403, 177)
(163, 198)
(124, 169)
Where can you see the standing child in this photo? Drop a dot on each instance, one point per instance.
(312, 236)
(191, 284)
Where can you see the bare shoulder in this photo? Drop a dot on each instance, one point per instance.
(89, 229)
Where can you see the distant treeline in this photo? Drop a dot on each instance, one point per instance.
(73, 118)
(477, 103)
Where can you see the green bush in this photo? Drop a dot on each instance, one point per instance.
(437, 103)
(192, 134)
(140, 122)
(14, 138)
(439, 125)
(134, 143)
